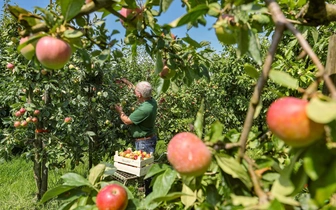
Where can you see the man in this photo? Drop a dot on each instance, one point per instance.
(142, 120)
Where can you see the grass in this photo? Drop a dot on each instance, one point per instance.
(17, 184)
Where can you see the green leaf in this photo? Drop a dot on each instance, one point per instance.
(244, 200)
(254, 47)
(156, 169)
(96, 173)
(314, 163)
(191, 41)
(284, 79)
(251, 71)
(71, 34)
(163, 85)
(282, 186)
(299, 180)
(212, 195)
(158, 63)
(214, 9)
(71, 8)
(76, 180)
(243, 40)
(231, 166)
(165, 4)
(169, 197)
(215, 132)
(321, 111)
(163, 182)
(325, 186)
(54, 192)
(198, 125)
(189, 199)
(276, 205)
(191, 16)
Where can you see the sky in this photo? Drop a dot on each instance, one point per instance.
(203, 33)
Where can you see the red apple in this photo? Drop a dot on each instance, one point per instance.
(10, 66)
(24, 123)
(27, 51)
(112, 197)
(188, 154)
(67, 119)
(287, 119)
(17, 124)
(53, 53)
(36, 112)
(34, 120)
(22, 110)
(133, 15)
(18, 114)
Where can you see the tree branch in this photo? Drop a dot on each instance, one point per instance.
(279, 19)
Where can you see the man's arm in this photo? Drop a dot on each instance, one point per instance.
(125, 119)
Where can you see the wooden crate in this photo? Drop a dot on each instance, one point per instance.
(137, 167)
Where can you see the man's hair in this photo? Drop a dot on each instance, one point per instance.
(145, 89)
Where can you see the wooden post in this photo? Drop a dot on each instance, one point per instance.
(331, 63)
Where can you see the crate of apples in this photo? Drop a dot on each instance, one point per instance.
(133, 162)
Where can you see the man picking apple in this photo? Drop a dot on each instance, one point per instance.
(142, 120)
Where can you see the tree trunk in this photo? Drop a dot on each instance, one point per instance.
(331, 63)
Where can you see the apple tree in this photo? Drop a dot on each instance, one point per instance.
(234, 178)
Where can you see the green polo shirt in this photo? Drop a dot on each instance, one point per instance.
(143, 119)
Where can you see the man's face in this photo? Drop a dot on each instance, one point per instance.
(137, 94)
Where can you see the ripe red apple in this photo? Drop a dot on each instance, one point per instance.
(34, 120)
(22, 110)
(36, 112)
(17, 124)
(67, 119)
(287, 119)
(10, 66)
(18, 114)
(133, 15)
(112, 197)
(188, 154)
(53, 53)
(27, 51)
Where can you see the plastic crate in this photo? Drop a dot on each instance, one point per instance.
(137, 167)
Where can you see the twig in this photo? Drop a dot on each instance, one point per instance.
(280, 26)
(263, 198)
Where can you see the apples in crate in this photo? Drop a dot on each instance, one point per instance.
(133, 162)
(135, 154)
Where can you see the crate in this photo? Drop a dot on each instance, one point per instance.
(137, 167)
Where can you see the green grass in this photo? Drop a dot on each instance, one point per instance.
(17, 184)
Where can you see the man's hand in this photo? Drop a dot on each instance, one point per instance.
(118, 108)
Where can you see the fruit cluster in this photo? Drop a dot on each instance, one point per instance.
(134, 154)
(24, 122)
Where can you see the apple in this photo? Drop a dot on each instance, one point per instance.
(133, 15)
(27, 51)
(288, 120)
(28, 119)
(128, 155)
(67, 119)
(167, 73)
(87, 1)
(112, 197)
(10, 66)
(44, 72)
(34, 120)
(188, 154)
(99, 93)
(122, 154)
(36, 112)
(24, 123)
(135, 157)
(93, 99)
(52, 52)
(18, 114)
(226, 33)
(22, 110)
(17, 124)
